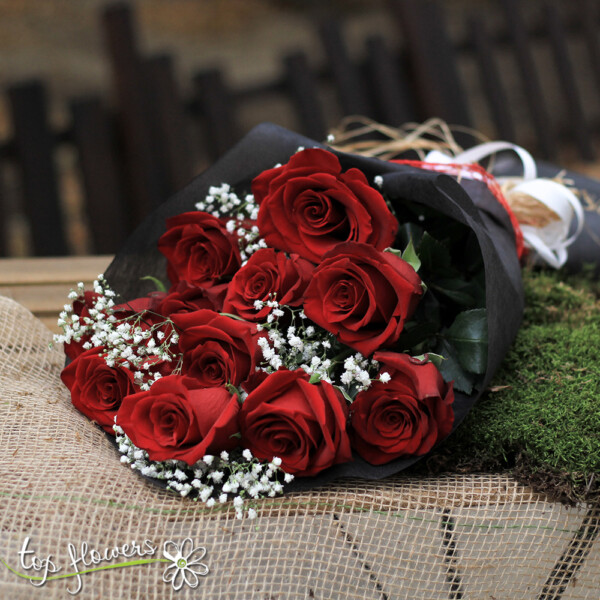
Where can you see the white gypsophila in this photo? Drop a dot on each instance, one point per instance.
(124, 341)
(215, 480)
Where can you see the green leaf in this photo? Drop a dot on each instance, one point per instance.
(160, 286)
(454, 289)
(345, 394)
(233, 390)
(435, 257)
(410, 256)
(468, 334)
(236, 317)
(451, 370)
(315, 378)
(436, 359)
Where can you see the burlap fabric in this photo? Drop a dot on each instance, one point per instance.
(479, 537)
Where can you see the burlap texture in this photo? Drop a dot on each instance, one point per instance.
(479, 537)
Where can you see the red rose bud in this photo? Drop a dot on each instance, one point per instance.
(97, 389)
(199, 249)
(268, 275)
(406, 416)
(175, 419)
(362, 296)
(308, 206)
(184, 297)
(301, 423)
(217, 349)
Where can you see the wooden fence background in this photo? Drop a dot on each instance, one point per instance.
(133, 148)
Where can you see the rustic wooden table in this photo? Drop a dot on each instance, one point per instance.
(42, 284)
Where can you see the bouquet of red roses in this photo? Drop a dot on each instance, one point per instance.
(328, 316)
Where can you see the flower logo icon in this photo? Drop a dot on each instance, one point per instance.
(186, 567)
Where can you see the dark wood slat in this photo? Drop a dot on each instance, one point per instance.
(432, 58)
(34, 153)
(305, 95)
(534, 95)
(92, 136)
(490, 78)
(3, 216)
(146, 177)
(217, 105)
(588, 14)
(577, 122)
(389, 91)
(173, 141)
(351, 94)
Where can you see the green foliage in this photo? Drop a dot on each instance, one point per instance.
(542, 412)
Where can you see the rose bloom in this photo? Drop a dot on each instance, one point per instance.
(97, 389)
(184, 297)
(362, 296)
(217, 349)
(199, 249)
(309, 205)
(177, 419)
(301, 423)
(268, 275)
(406, 416)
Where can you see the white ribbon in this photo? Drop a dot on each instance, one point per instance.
(552, 240)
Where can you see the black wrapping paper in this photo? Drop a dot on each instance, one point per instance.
(477, 209)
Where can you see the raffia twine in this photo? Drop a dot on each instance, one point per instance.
(361, 135)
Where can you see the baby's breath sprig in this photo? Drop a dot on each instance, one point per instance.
(222, 201)
(237, 476)
(131, 341)
(296, 342)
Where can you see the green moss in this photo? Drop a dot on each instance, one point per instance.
(541, 416)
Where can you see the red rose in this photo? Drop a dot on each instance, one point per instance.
(81, 308)
(184, 297)
(217, 349)
(97, 389)
(308, 206)
(405, 417)
(303, 424)
(268, 275)
(362, 296)
(175, 419)
(199, 249)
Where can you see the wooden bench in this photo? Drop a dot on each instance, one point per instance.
(42, 284)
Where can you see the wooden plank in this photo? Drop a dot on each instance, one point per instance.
(303, 90)
(34, 147)
(439, 90)
(490, 79)
(172, 138)
(3, 216)
(588, 18)
(217, 106)
(577, 125)
(144, 169)
(351, 94)
(63, 270)
(534, 96)
(390, 93)
(43, 298)
(104, 198)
